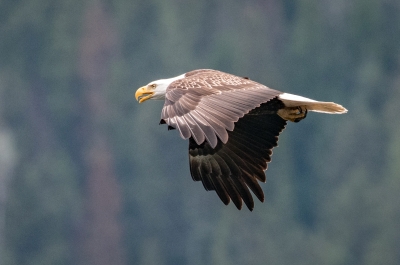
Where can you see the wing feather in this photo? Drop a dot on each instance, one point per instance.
(197, 132)
(182, 127)
(220, 189)
(227, 183)
(243, 191)
(175, 95)
(223, 110)
(241, 98)
(238, 109)
(204, 125)
(214, 123)
(213, 96)
(233, 192)
(179, 108)
(222, 117)
(238, 165)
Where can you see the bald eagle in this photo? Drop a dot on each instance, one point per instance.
(232, 124)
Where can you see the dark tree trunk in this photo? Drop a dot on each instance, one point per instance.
(101, 229)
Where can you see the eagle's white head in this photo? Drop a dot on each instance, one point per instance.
(155, 89)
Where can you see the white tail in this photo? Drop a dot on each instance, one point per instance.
(291, 100)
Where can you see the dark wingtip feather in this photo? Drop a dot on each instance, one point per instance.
(238, 165)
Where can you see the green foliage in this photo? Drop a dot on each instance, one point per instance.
(39, 224)
(332, 189)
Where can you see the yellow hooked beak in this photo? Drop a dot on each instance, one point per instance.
(143, 94)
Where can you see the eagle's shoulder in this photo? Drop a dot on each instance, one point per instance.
(213, 79)
(201, 72)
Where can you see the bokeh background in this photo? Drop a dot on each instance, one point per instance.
(88, 176)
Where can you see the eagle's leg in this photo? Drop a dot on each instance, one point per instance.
(294, 114)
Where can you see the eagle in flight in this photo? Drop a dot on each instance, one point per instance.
(232, 124)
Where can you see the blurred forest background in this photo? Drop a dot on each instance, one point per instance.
(87, 176)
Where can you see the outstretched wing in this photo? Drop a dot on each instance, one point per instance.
(232, 168)
(207, 103)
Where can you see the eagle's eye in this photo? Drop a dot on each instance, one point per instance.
(153, 86)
